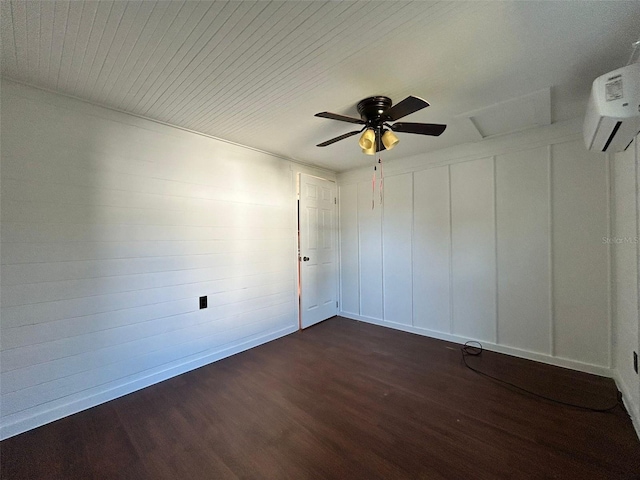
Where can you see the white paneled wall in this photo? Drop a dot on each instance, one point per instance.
(473, 251)
(432, 250)
(523, 235)
(625, 247)
(349, 250)
(112, 227)
(499, 241)
(369, 228)
(580, 211)
(397, 234)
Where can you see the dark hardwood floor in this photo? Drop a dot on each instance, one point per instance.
(344, 400)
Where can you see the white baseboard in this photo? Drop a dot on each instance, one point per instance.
(111, 392)
(632, 409)
(516, 352)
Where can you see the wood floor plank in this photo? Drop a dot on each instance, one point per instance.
(342, 399)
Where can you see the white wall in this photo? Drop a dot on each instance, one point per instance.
(624, 245)
(498, 241)
(112, 227)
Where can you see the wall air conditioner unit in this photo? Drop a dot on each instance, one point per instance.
(613, 114)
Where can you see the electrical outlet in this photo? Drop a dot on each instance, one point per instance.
(635, 361)
(203, 302)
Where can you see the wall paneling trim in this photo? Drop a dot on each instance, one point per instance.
(499, 241)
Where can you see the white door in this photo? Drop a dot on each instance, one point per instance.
(317, 250)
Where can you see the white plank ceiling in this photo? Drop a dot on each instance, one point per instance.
(255, 72)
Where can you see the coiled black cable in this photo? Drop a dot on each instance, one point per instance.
(475, 349)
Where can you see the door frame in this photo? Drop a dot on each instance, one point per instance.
(336, 239)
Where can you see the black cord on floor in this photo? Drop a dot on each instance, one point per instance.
(474, 349)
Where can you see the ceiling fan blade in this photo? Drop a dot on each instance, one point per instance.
(342, 118)
(433, 129)
(337, 139)
(405, 107)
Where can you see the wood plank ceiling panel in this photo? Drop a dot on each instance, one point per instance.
(229, 54)
(90, 50)
(136, 13)
(58, 37)
(32, 38)
(281, 67)
(18, 15)
(159, 38)
(100, 48)
(255, 72)
(70, 67)
(45, 36)
(9, 56)
(186, 62)
(231, 24)
(183, 57)
(354, 35)
(71, 33)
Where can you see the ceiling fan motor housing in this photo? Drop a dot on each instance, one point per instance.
(372, 108)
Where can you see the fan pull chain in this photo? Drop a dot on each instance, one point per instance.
(373, 189)
(381, 180)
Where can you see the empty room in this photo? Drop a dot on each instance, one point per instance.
(319, 239)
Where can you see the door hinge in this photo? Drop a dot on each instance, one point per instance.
(336, 304)
(335, 200)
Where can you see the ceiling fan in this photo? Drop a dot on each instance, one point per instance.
(375, 113)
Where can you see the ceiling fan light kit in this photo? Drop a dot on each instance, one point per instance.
(389, 139)
(369, 151)
(368, 140)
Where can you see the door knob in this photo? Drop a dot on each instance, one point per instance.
(305, 259)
